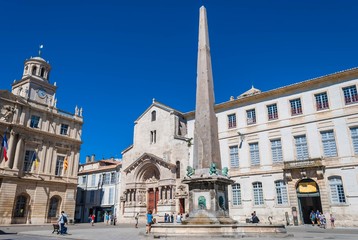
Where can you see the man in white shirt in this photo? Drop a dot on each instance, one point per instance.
(61, 221)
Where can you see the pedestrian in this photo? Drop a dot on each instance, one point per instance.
(331, 218)
(165, 217)
(107, 218)
(62, 220)
(172, 218)
(255, 218)
(136, 219)
(111, 218)
(149, 221)
(179, 218)
(313, 217)
(92, 219)
(318, 217)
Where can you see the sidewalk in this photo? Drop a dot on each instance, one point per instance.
(129, 232)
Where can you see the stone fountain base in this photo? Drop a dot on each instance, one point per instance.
(217, 230)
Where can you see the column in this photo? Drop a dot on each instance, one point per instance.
(53, 161)
(76, 159)
(42, 157)
(48, 159)
(160, 193)
(11, 149)
(18, 150)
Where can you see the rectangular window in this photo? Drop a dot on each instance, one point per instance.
(354, 134)
(251, 116)
(296, 106)
(321, 101)
(350, 94)
(337, 191)
(64, 129)
(281, 192)
(254, 154)
(34, 123)
(106, 178)
(153, 136)
(110, 196)
(59, 165)
(231, 120)
(301, 147)
(29, 159)
(329, 144)
(276, 150)
(84, 178)
(272, 112)
(93, 182)
(234, 156)
(113, 177)
(258, 193)
(236, 194)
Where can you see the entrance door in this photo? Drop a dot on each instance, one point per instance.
(308, 199)
(307, 204)
(151, 200)
(153, 197)
(182, 205)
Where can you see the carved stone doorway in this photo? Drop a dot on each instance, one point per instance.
(153, 197)
(182, 205)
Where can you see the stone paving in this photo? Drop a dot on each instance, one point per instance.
(128, 232)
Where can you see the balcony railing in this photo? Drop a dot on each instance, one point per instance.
(309, 163)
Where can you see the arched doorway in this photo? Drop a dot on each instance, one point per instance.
(149, 174)
(53, 210)
(21, 209)
(308, 198)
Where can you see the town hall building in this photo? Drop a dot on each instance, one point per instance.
(38, 170)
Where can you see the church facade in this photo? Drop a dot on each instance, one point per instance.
(289, 151)
(38, 173)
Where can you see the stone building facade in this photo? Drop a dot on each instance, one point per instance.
(98, 189)
(290, 150)
(39, 179)
(155, 164)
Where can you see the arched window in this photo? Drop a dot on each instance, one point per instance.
(34, 70)
(258, 193)
(42, 72)
(20, 206)
(154, 116)
(281, 192)
(53, 207)
(337, 191)
(236, 194)
(178, 169)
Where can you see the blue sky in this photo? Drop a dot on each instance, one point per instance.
(113, 57)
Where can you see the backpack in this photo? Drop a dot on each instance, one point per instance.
(64, 218)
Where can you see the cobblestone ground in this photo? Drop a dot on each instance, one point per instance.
(128, 232)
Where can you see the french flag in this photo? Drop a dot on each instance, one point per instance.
(4, 146)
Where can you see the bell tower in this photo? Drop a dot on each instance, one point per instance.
(35, 85)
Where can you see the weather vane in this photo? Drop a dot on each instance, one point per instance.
(40, 47)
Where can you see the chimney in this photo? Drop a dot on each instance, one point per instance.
(92, 157)
(87, 159)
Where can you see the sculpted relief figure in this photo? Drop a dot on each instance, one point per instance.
(6, 113)
(190, 171)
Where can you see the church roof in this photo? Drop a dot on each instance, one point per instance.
(161, 106)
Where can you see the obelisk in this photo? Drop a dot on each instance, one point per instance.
(206, 142)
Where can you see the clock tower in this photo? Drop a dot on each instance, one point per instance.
(34, 85)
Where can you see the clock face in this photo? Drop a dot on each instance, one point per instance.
(42, 93)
